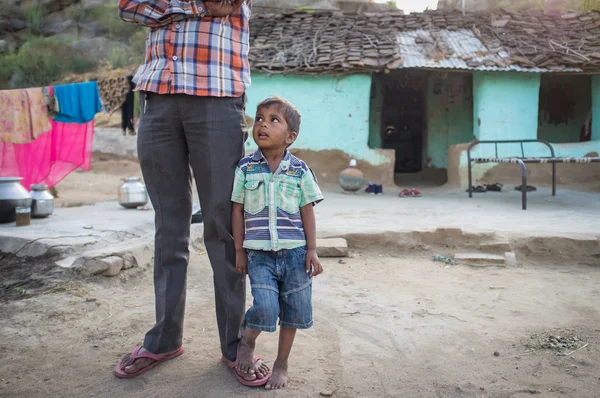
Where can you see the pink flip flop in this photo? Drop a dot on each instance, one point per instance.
(250, 383)
(135, 355)
(410, 193)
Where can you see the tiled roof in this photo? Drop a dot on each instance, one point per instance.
(333, 42)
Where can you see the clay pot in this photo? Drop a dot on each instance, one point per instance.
(351, 179)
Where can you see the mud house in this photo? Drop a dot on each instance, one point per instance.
(400, 93)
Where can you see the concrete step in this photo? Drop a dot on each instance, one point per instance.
(332, 247)
(498, 244)
(480, 259)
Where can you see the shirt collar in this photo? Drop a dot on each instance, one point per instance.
(285, 162)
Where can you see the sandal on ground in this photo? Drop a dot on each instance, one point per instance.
(410, 193)
(529, 188)
(256, 382)
(478, 189)
(135, 355)
(497, 187)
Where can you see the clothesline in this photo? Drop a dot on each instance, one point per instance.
(47, 133)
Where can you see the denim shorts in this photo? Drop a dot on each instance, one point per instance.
(281, 288)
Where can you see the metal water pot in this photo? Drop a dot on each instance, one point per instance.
(132, 193)
(42, 201)
(12, 195)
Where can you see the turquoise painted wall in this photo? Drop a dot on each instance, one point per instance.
(596, 107)
(565, 101)
(335, 111)
(505, 106)
(449, 115)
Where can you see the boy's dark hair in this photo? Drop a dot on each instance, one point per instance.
(290, 112)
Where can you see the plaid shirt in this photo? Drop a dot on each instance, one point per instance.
(272, 202)
(187, 53)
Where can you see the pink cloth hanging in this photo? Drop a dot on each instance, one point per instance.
(51, 157)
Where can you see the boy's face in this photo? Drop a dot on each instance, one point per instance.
(270, 130)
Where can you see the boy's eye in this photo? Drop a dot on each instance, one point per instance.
(259, 119)
(275, 120)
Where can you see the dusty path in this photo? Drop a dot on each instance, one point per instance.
(384, 327)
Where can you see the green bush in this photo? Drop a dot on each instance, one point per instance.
(107, 15)
(7, 69)
(35, 19)
(137, 42)
(78, 14)
(41, 62)
(118, 57)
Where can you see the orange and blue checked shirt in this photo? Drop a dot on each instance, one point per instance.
(189, 53)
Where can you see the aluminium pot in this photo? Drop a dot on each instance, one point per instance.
(12, 195)
(132, 193)
(42, 201)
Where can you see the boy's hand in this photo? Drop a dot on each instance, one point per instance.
(241, 261)
(313, 259)
(222, 8)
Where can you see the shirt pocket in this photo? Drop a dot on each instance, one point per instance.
(254, 198)
(288, 196)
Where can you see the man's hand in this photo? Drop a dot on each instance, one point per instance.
(222, 8)
(241, 261)
(313, 260)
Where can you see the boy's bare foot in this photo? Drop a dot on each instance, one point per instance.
(280, 376)
(246, 365)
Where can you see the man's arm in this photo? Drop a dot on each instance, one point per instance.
(157, 13)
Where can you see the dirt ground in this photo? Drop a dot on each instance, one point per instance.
(385, 326)
(100, 184)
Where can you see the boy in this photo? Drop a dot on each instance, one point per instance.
(275, 238)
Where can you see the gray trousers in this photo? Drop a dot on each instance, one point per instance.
(208, 133)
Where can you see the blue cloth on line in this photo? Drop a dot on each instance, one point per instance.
(78, 102)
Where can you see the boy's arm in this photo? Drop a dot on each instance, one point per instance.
(157, 13)
(238, 228)
(311, 195)
(310, 230)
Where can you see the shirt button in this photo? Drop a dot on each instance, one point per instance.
(177, 26)
(174, 57)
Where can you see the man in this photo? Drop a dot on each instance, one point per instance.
(192, 98)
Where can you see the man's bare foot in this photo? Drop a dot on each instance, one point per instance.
(140, 363)
(280, 376)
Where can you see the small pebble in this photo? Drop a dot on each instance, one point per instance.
(496, 354)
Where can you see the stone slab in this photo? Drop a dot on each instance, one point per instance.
(332, 247)
(480, 259)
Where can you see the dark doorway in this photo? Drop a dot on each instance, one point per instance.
(403, 118)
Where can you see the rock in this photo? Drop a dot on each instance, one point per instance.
(479, 259)
(496, 354)
(332, 247)
(58, 26)
(96, 48)
(115, 264)
(7, 46)
(511, 259)
(17, 24)
(131, 253)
